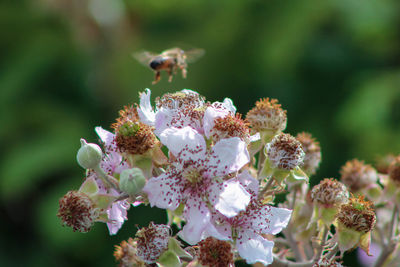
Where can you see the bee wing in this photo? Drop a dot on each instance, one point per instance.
(194, 54)
(144, 57)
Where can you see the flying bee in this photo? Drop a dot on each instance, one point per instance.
(169, 60)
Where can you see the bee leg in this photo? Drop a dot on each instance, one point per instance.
(170, 71)
(157, 77)
(184, 72)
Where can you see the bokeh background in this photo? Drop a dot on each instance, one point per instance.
(66, 67)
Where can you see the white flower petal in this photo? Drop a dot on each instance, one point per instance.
(228, 156)
(228, 104)
(253, 248)
(270, 220)
(210, 115)
(198, 220)
(248, 182)
(145, 110)
(117, 214)
(186, 143)
(105, 136)
(230, 197)
(255, 137)
(164, 191)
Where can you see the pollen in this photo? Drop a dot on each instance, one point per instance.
(394, 170)
(357, 215)
(312, 151)
(180, 100)
(285, 152)
(330, 192)
(152, 241)
(357, 175)
(215, 253)
(135, 138)
(231, 126)
(78, 211)
(125, 254)
(267, 115)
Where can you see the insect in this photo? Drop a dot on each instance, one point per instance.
(169, 60)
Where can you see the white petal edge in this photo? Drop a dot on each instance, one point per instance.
(145, 110)
(254, 248)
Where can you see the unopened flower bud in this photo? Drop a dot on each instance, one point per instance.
(214, 252)
(284, 152)
(357, 176)
(152, 241)
(267, 117)
(78, 211)
(312, 152)
(132, 181)
(89, 155)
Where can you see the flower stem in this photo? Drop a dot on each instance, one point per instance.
(390, 245)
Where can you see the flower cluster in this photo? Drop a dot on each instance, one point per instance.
(217, 175)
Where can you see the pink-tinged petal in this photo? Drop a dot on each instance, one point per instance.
(228, 104)
(228, 156)
(145, 110)
(106, 137)
(248, 182)
(210, 115)
(198, 220)
(163, 120)
(253, 248)
(164, 191)
(136, 203)
(229, 197)
(255, 137)
(117, 214)
(270, 220)
(113, 163)
(186, 143)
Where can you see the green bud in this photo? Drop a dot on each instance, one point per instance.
(89, 155)
(132, 181)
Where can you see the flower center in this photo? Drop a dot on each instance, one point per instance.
(192, 175)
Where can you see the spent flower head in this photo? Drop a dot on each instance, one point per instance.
(125, 254)
(329, 192)
(214, 252)
(312, 151)
(152, 241)
(357, 175)
(77, 210)
(284, 152)
(267, 117)
(394, 171)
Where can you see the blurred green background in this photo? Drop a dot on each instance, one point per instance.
(66, 67)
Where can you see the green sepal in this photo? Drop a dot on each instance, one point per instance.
(175, 246)
(175, 216)
(327, 215)
(375, 192)
(347, 238)
(168, 259)
(297, 175)
(103, 201)
(143, 162)
(267, 136)
(266, 171)
(255, 146)
(89, 187)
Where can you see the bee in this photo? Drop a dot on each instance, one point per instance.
(169, 60)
